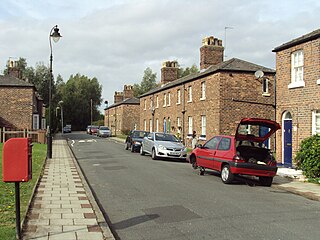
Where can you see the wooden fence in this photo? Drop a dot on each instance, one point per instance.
(38, 136)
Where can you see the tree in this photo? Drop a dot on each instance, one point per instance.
(148, 82)
(77, 94)
(185, 72)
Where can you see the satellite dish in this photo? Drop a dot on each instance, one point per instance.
(259, 74)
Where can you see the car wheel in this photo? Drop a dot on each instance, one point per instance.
(202, 170)
(132, 148)
(266, 181)
(141, 150)
(153, 154)
(193, 162)
(226, 174)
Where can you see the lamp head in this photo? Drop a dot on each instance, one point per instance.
(55, 35)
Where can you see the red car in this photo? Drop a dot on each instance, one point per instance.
(246, 153)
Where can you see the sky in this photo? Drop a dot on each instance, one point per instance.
(116, 40)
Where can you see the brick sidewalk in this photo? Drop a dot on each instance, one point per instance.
(61, 208)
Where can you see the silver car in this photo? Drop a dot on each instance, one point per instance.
(104, 131)
(163, 145)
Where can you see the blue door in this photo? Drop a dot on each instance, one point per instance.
(287, 141)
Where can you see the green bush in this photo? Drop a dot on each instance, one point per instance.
(308, 157)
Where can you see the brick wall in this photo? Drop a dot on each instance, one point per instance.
(222, 114)
(300, 102)
(16, 106)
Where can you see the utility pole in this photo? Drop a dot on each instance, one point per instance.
(91, 111)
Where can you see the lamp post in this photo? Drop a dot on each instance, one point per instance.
(55, 35)
(60, 103)
(107, 108)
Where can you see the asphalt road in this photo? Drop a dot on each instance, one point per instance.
(148, 199)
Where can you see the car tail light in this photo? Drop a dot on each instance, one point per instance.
(238, 158)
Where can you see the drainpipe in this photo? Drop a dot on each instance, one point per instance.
(183, 115)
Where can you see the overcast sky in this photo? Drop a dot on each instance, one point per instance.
(116, 40)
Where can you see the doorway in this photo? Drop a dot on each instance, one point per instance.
(287, 139)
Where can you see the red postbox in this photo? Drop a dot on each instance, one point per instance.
(17, 160)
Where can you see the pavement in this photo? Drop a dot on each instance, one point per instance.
(63, 206)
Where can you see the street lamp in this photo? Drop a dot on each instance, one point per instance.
(60, 103)
(55, 35)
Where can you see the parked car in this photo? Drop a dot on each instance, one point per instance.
(67, 129)
(93, 130)
(88, 129)
(104, 131)
(134, 139)
(163, 145)
(246, 153)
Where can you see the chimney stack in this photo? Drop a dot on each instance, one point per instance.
(13, 69)
(127, 91)
(169, 71)
(211, 52)
(118, 97)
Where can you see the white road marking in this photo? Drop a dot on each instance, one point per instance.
(72, 142)
(96, 164)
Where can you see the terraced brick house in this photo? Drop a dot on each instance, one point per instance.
(298, 93)
(123, 115)
(210, 102)
(20, 105)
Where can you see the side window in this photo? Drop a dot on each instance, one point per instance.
(150, 136)
(212, 143)
(224, 144)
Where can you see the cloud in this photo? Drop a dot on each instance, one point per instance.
(116, 41)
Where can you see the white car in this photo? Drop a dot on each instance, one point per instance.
(163, 145)
(104, 131)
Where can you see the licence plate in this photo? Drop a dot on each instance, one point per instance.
(175, 153)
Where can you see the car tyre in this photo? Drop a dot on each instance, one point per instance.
(193, 162)
(266, 181)
(226, 174)
(153, 154)
(132, 148)
(141, 150)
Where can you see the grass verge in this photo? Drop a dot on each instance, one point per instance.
(7, 192)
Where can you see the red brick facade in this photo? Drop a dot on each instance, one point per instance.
(220, 109)
(301, 101)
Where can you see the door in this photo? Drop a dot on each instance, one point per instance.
(206, 154)
(287, 143)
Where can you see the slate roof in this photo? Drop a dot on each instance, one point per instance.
(232, 65)
(9, 81)
(128, 101)
(305, 38)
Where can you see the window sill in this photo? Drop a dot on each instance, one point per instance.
(296, 84)
(266, 94)
(178, 103)
(318, 81)
(202, 99)
(189, 101)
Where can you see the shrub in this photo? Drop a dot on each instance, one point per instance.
(308, 157)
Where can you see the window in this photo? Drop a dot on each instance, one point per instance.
(179, 124)
(157, 125)
(203, 126)
(189, 94)
(145, 104)
(224, 144)
(145, 124)
(169, 125)
(169, 100)
(212, 143)
(316, 122)
(164, 100)
(150, 125)
(265, 87)
(43, 123)
(203, 91)
(157, 101)
(35, 123)
(297, 70)
(190, 125)
(164, 125)
(178, 96)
